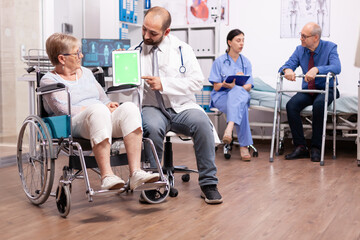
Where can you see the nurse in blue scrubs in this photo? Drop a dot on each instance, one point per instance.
(231, 99)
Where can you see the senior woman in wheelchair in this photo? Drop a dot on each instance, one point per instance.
(94, 116)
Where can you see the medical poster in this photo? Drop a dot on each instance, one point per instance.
(177, 10)
(207, 11)
(296, 13)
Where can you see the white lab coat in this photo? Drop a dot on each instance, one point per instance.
(178, 88)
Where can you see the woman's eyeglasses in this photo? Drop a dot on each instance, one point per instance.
(78, 53)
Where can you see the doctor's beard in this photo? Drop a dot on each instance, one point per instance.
(152, 42)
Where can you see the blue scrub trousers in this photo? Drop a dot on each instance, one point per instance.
(235, 105)
(193, 123)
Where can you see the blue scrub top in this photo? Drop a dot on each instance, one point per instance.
(221, 68)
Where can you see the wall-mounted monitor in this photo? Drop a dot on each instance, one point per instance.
(98, 52)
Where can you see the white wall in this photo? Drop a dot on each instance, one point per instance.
(91, 18)
(56, 12)
(260, 21)
(109, 19)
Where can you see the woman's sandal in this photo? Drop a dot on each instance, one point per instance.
(244, 153)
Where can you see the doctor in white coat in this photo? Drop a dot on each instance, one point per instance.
(175, 77)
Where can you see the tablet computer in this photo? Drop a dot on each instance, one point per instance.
(126, 67)
(239, 79)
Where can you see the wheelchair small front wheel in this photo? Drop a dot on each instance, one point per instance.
(155, 195)
(173, 192)
(63, 200)
(185, 177)
(35, 164)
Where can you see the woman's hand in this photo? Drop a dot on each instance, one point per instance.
(247, 87)
(112, 106)
(240, 73)
(228, 85)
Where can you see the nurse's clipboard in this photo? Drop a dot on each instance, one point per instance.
(240, 80)
(126, 68)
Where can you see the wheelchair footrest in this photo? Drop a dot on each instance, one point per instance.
(90, 161)
(184, 169)
(108, 192)
(150, 186)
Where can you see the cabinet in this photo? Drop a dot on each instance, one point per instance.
(129, 30)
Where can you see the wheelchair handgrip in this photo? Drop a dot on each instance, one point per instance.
(97, 69)
(120, 87)
(30, 69)
(50, 87)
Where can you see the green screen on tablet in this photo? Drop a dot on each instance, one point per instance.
(126, 67)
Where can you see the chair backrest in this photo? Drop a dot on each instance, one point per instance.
(41, 110)
(99, 76)
(39, 75)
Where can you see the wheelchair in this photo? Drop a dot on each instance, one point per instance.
(43, 139)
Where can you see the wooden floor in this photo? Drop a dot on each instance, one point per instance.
(280, 200)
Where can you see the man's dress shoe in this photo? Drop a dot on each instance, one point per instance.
(315, 154)
(299, 152)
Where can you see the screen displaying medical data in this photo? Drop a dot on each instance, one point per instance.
(98, 52)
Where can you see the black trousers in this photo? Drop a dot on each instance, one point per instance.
(296, 104)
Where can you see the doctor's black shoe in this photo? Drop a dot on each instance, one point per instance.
(315, 154)
(299, 152)
(211, 194)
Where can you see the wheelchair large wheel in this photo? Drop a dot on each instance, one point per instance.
(35, 165)
(63, 201)
(157, 195)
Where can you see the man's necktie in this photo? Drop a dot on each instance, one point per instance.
(311, 84)
(159, 98)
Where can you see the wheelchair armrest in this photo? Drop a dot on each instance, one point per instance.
(51, 87)
(114, 89)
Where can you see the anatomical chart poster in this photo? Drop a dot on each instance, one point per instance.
(296, 13)
(207, 11)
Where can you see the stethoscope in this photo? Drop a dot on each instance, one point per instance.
(182, 68)
(227, 60)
